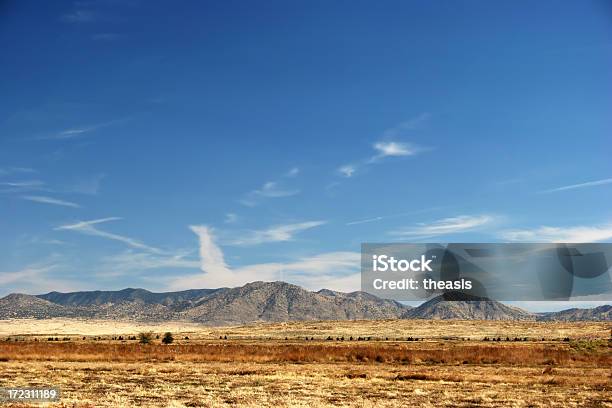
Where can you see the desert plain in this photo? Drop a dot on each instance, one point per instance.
(378, 363)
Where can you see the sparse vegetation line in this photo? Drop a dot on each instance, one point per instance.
(418, 353)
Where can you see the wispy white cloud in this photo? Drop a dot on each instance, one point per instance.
(28, 240)
(36, 278)
(23, 184)
(574, 234)
(383, 149)
(401, 129)
(83, 185)
(85, 224)
(70, 133)
(79, 131)
(212, 259)
(28, 273)
(331, 270)
(334, 270)
(445, 226)
(89, 228)
(51, 200)
(580, 185)
(384, 217)
(270, 189)
(277, 233)
(5, 171)
(393, 149)
(347, 170)
(132, 262)
(365, 221)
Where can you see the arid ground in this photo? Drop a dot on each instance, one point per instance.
(387, 363)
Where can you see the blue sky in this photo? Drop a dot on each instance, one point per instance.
(165, 146)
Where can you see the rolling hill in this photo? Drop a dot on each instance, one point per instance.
(456, 306)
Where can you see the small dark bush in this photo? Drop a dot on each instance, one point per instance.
(167, 339)
(145, 337)
(406, 377)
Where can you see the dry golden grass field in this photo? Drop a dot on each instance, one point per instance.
(312, 364)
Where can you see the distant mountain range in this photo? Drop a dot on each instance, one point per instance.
(602, 313)
(266, 302)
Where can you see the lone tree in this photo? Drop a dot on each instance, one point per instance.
(145, 337)
(167, 339)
